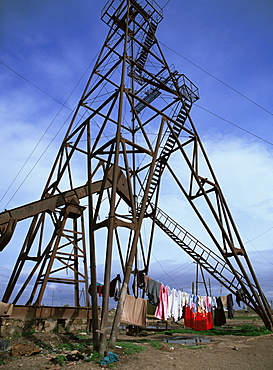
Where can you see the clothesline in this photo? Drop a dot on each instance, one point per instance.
(176, 304)
(170, 303)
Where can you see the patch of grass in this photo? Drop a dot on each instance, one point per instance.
(192, 347)
(155, 344)
(60, 360)
(130, 348)
(81, 336)
(159, 344)
(95, 357)
(2, 362)
(111, 366)
(254, 330)
(246, 330)
(24, 334)
(70, 346)
(29, 332)
(250, 317)
(181, 331)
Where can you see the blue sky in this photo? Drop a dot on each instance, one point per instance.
(225, 48)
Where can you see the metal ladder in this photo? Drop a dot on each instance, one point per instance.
(148, 43)
(200, 253)
(168, 148)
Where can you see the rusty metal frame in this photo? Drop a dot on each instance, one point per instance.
(125, 166)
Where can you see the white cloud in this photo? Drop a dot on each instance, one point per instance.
(243, 169)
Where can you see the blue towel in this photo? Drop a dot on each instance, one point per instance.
(112, 357)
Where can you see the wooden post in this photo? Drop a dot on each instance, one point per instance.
(94, 296)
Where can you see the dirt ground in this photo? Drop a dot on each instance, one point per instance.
(220, 352)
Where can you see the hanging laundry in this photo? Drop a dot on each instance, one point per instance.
(153, 291)
(134, 285)
(138, 282)
(140, 279)
(208, 303)
(230, 306)
(174, 304)
(117, 290)
(184, 298)
(198, 313)
(146, 282)
(224, 300)
(161, 311)
(196, 310)
(199, 321)
(201, 302)
(114, 289)
(134, 311)
(115, 284)
(151, 309)
(240, 296)
(213, 301)
(180, 307)
(193, 302)
(99, 289)
(219, 314)
(203, 321)
(170, 299)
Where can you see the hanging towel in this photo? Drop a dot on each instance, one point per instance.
(134, 311)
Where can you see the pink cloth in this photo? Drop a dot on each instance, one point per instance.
(161, 311)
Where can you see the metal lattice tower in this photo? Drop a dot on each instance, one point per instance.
(133, 115)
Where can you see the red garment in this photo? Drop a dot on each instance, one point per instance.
(112, 288)
(161, 311)
(100, 290)
(197, 320)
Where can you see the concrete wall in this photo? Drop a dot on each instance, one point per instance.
(10, 327)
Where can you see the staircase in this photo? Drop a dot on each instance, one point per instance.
(168, 148)
(190, 94)
(209, 260)
(147, 44)
(149, 94)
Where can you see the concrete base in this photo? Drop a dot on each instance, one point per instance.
(28, 319)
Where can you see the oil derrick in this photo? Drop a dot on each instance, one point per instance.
(134, 114)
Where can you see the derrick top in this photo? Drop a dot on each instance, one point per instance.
(117, 9)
